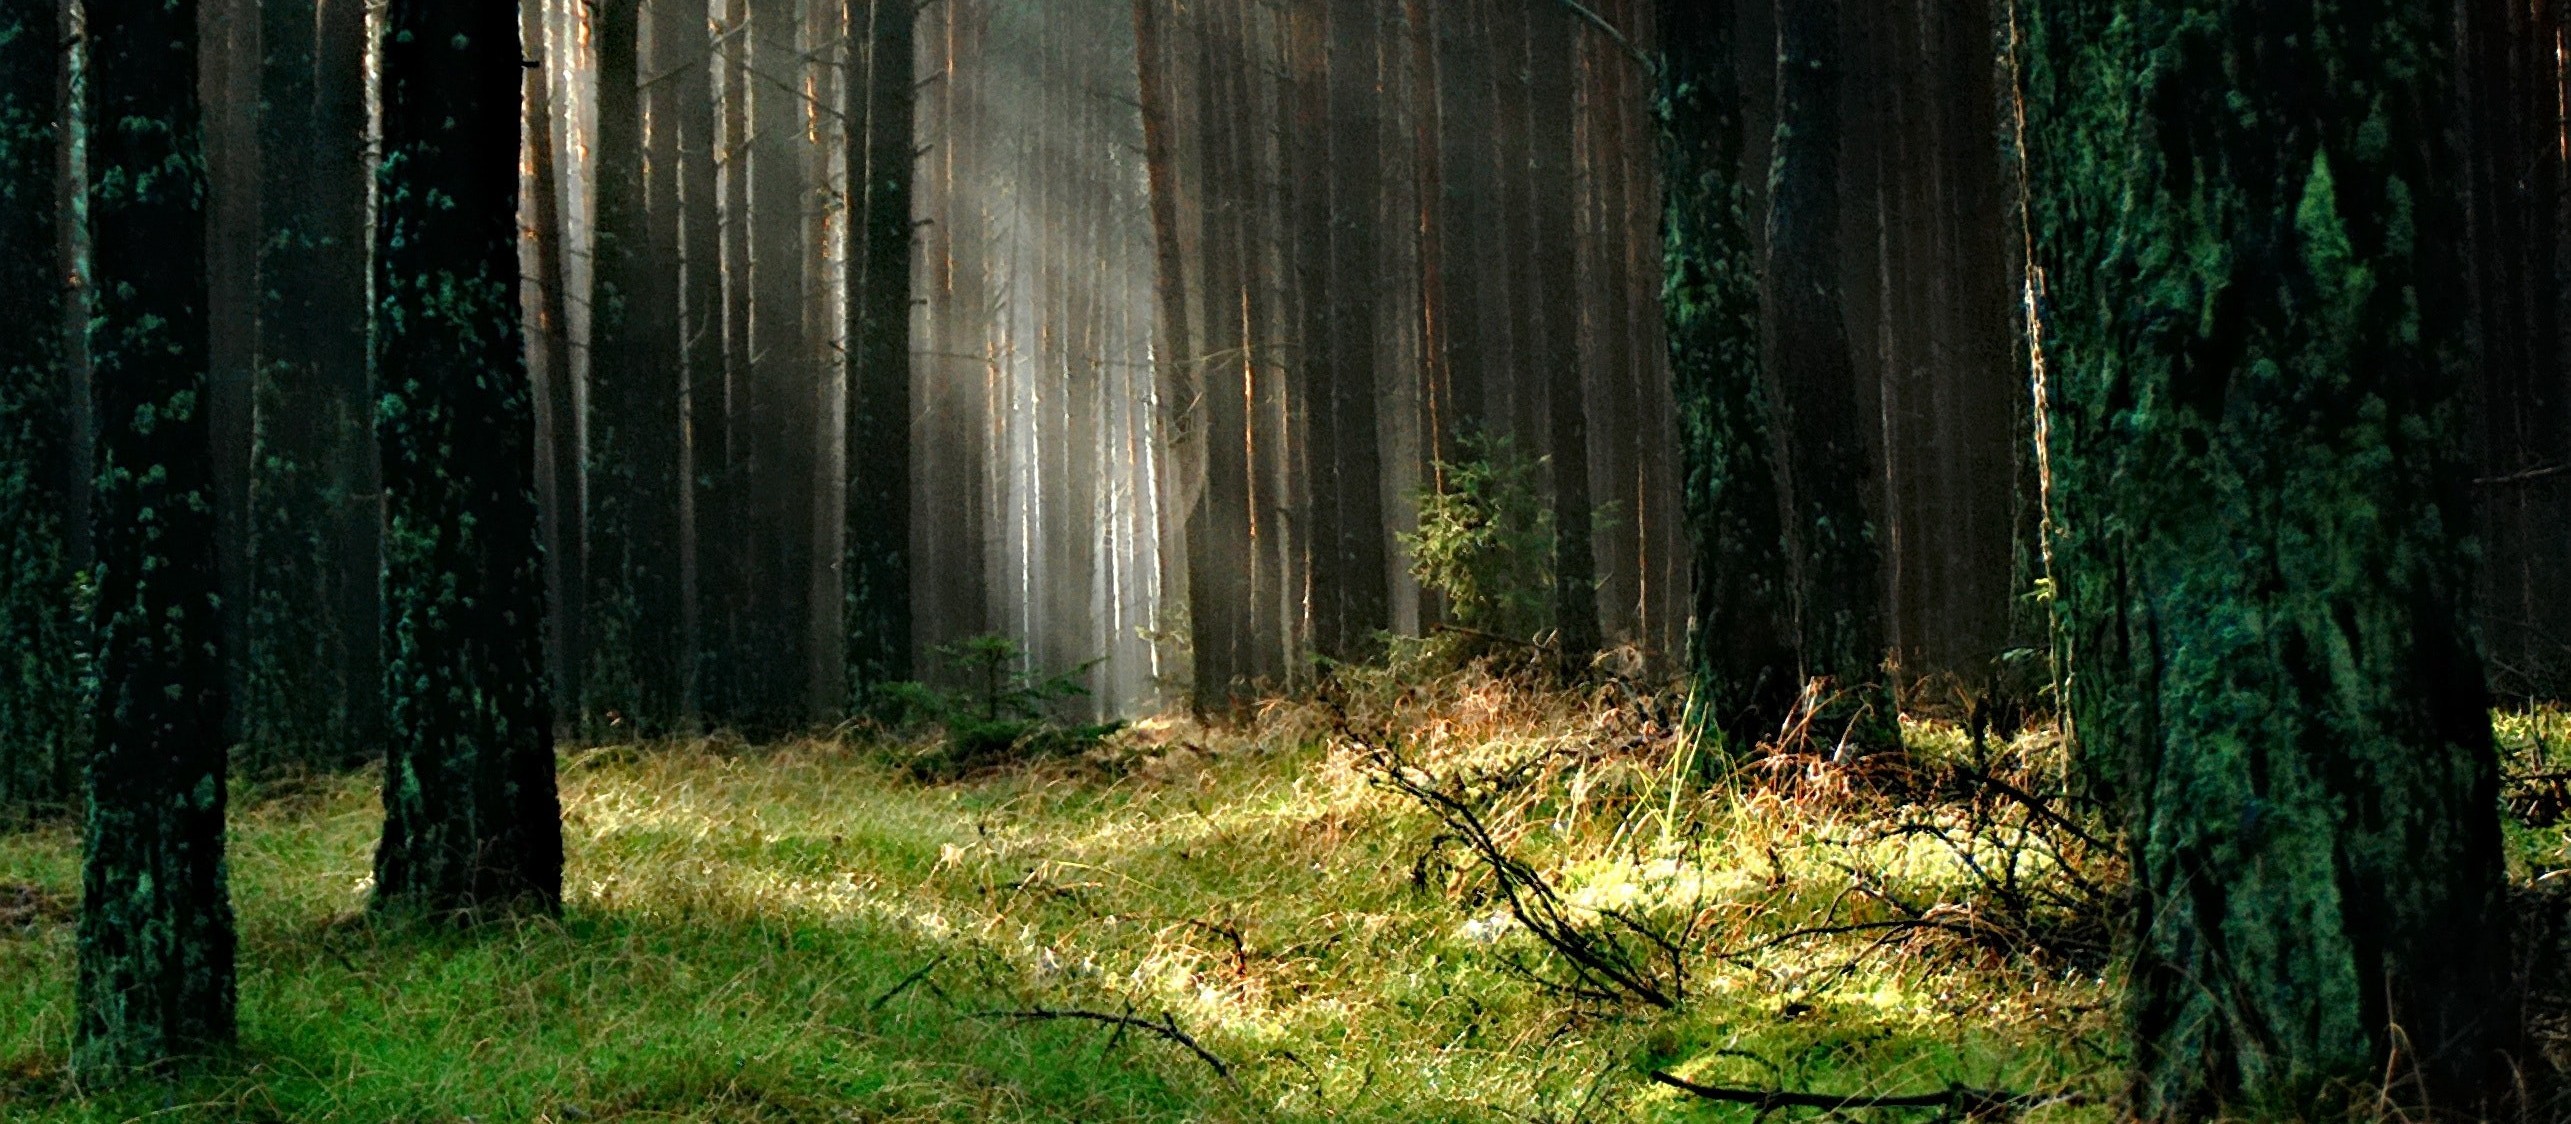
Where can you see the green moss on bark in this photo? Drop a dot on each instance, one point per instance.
(1741, 651)
(42, 635)
(2252, 333)
(471, 818)
(156, 939)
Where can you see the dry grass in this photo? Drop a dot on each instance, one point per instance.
(802, 932)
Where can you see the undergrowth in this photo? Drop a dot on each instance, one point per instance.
(1182, 923)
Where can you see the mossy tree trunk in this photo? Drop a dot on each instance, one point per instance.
(41, 633)
(1741, 652)
(2248, 253)
(470, 814)
(156, 938)
(884, 153)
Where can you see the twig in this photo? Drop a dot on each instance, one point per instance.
(2525, 476)
(906, 984)
(1971, 1102)
(1609, 30)
(1166, 1030)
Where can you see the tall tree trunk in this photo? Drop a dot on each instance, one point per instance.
(470, 814)
(156, 937)
(1558, 367)
(882, 159)
(41, 700)
(228, 93)
(2253, 338)
(778, 501)
(691, 64)
(315, 680)
(1741, 653)
(631, 666)
(1352, 536)
(560, 485)
(1831, 555)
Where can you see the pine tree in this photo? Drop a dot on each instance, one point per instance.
(40, 630)
(883, 154)
(2252, 332)
(315, 679)
(1741, 653)
(1833, 564)
(156, 937)
(471, 818)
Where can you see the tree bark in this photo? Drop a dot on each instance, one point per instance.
(42, 712)
(1741, 653)
(882, 160)
(156, 937)
(315, 679)
(471, 817)
(1555, 327)
(2247, 243)
(1832, 560)
(631, 666)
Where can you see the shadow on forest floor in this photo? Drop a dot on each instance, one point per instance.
(806, 932)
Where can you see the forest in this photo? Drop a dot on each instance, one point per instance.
(1225, 560)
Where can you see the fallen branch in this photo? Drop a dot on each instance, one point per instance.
(1166, 1030)
(1956, 1098)
(906, 984)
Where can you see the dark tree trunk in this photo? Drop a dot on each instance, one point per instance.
(1555, 330)
(631, 668)
(1741, 653)
(471, 818)
(1358, 598)
(777, 502)
(883, 157)
(41, 701)
(1820, 433)
(314, 678)
(156, 938)
(695, 116)
(560, 481)
(228, 93)
(2247, 239)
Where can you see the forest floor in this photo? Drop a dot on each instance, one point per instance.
(808, 931)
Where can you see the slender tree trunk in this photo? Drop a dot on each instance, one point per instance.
(1831, 555)
(694, 116)
(156, 938)
(315, 681)
(882, 160)
(559, 484)
(470, 814)
(228, 93)
(1353, 538)
(41, 701)
(778, 502)
(1741, 652)
(2253, 339)
(1551, 33)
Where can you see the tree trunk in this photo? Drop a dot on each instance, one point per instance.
(41, 699)
(559, 480)
(1741, 652)
(882, 159)
(630, 673)
(1558, 367)
(1352, 536)
(314, 679)
(2252, 338)
(1821, 460)
(471, 818)
(156, 937)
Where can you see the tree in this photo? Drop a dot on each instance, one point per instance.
(156, 937)
(1833, 565)
(471, 818)
(883, 155)
(40, 696)
(315, 680)
(2251, 351)
(1551, 32)
(633, 634)
(1741, 652)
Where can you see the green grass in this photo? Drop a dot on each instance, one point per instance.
(741, 923)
